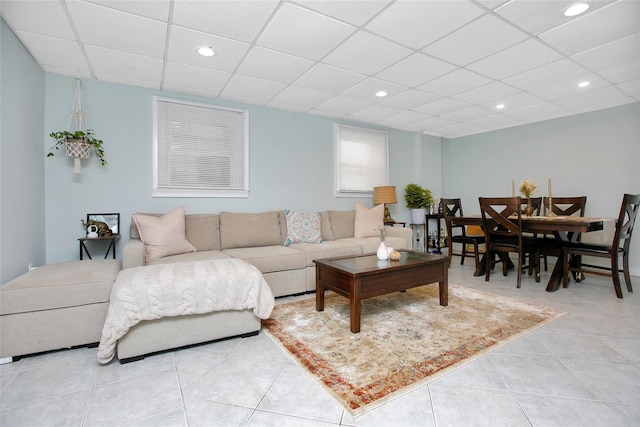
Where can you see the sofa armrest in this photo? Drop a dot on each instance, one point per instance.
(133, 254)
(401, 232)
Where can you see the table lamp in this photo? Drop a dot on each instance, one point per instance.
(385, 195)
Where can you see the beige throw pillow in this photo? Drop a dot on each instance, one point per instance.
(163, 235)
(368, 221)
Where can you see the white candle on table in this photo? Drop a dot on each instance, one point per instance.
(513, 188)
(549, 185)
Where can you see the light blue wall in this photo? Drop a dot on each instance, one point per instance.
(22, 230)
(291, 162)
(594, 154)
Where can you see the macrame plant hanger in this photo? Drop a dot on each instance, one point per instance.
(78, 150)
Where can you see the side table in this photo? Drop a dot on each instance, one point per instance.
(421, 240)
(438, 217)
(111, 248)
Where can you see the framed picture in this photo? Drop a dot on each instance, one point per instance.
(111, 219)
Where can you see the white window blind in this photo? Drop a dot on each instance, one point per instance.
(362, 160)
(200, 150)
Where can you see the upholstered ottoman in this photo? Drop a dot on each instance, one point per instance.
(55, 306)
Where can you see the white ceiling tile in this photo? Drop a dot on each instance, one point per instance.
(356, 12)
(367, 89)
(514, 102)
(83, 74)
(415, 70)
(245, 87)
(406, 118)
(329, 79)
(486, 93)
(301, 97)
(238, 20)
(461, 129)
(436, 123)
(538, 112)
(631, 88)
(442, 106)
(51, 51)
(546, 74)
(155, 9)
(622, 73)
(570, 87)
(304, 33)
(271, 65)
(604, 25)
(410, 99)
(492, 4)
(468, 114)
(455, 82)
(542, 15)
(41, 17)
(516, 59)
(593, 98)
(287, 107)
(113, 29)
(496, 121)
(184, 43)
(482, 37)
(366, 53)
(127, 81)
(342, 105)
(181, 77)
(418, 23)
(124, 65)
(375, 113)
(609, 55)
(322, 113)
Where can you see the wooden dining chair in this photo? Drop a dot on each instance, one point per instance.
(560, 206)
(619, 247)
(502, 224)
(458, 233)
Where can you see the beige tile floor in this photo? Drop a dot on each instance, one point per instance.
(580, 370)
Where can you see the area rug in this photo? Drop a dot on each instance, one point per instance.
(406, 340)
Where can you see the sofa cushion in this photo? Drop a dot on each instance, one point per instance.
(270, 258)
(368, 222)
(191, 257)
(203, 231)
(303, 227)
(163, 235)
(247, 230)
(325, 225)
(60, 285)
(342, 223)
(328, 249)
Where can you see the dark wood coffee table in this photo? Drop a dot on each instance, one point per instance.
(363, 276)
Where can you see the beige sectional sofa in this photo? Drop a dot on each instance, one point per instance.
(259, 239)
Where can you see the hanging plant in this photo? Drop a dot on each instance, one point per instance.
(78, 144)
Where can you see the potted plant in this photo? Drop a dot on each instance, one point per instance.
(78, 145)
(418, 200)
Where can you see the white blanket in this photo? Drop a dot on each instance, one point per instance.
(179, 289)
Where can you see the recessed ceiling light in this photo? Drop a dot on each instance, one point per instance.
(583, 84)
(206, 51)
(381, 94)
(500, 106)
(576, 9)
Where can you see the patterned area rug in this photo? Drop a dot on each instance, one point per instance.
(407, 339)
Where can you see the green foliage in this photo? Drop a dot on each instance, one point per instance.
(61, 138)
(417, 197)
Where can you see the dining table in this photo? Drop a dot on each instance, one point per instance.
(563, 228)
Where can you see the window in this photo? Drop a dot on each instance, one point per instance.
(200, 150)
(361, 160)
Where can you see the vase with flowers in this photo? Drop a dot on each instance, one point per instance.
(527, 189)
(382, 253)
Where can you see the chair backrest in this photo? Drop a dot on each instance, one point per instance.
(626, 220)
(565, 206)
(536, 203)
(450, 209)
(495, 218)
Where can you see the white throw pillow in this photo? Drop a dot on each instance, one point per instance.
(368, 221)
(163, 235)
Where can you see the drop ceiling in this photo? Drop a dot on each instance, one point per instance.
(445, 65)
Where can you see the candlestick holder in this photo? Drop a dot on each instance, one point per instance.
(550, 207)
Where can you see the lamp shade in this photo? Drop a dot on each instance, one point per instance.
(385, 194)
